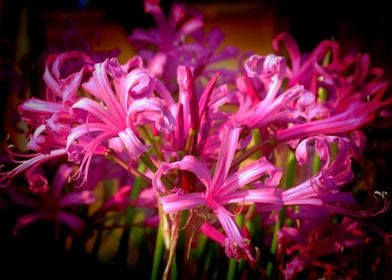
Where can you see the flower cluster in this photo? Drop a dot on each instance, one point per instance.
(203, 151)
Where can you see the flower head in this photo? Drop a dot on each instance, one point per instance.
(221, 189)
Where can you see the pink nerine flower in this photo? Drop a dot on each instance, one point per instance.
(54, 204)
(318, 238)
(221, 189)
(262, 82)
(356, 115)
(322, 189)
(179, 40)
(345, 92)
(121, 99)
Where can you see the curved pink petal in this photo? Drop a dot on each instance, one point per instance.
(357, 115)
(71, 220)
(84, 129)
(34, 107)
(179, 202)
(271, 196)
(208, 230)
(77, 198)
(236, 245)
(5, 177)
(225, 158)
(150, 110)
(188, 163)
(132, 144)
(291, 47)
(60, 179)
(249, 174)
(99, 86)
(136, 84)
(28, 219)
(97, 111)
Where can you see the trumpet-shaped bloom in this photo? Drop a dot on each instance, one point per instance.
(262, 82)
(323, 188)
(123, 100)
(354, 117)
(54, 204)
(318, 238)
(179, 40)
(346, 91)
(221, 189)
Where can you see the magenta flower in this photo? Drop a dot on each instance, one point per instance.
(322, 189)
(179, 40)
(354, 117)
(345, 92)
(54, 204)
(301, 70)
(28, 162)
(318, 238)
(64, 74)
(221, 189)
(115, 113)
(170, 130)
(51, 122)
(262, 82)
(120, 201)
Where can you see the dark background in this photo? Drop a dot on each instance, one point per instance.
(364, 26)
(367, 23)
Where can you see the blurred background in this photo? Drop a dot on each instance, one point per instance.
(30, 30)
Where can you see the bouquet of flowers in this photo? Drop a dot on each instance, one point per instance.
(195, 168)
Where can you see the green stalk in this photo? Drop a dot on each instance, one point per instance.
(138, 182)
(322, 92)
(191, 142)
(289, 181)
(174, 270)
(231, 273)
(201, 246)
(174, 235)
(158, 254)
(148, 162)
(316, 164)
(209, 259)
(122, 251)
(233, 264)
(148, 135)
(237, 161)
(110, 155)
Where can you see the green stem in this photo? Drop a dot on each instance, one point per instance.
(191, 142)
(233, 264)
(237, 161)
(174, 271)
(145, 158)
(138, 182)
(174, 235)
(231, 273)
(158, 253)
(316, 164)
(148, 135)
(322, 92)
(110, 155)
(289, 182)
(148, 162)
